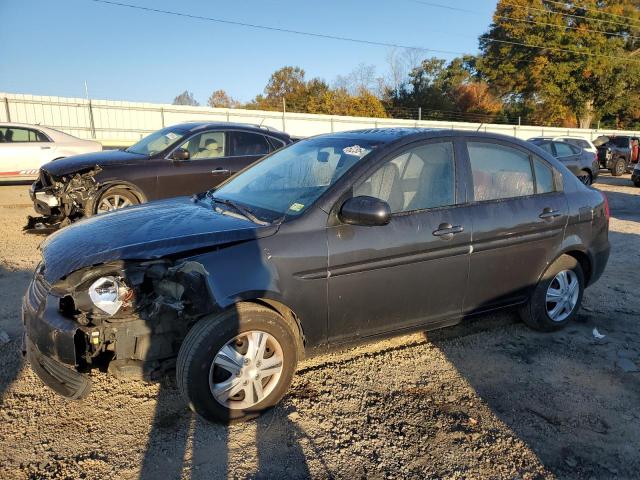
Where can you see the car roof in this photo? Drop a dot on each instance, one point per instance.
(195, 126)
(55, 135)
(403, 135)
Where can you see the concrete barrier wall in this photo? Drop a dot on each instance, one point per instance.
(122, 123)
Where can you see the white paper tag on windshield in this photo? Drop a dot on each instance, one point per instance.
(296, 207)
(171, 136)
(356, 150)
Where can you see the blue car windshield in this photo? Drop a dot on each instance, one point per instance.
(292, 179)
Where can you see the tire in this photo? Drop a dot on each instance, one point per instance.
(117, 197)
(536, 312)
(197, 375)
(619, 168)
(586, 177)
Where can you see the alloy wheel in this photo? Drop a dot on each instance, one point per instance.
(562, 295)
(113, 202)
(246, 370)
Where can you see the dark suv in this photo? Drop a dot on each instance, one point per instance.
(179, 160)
(334, 239)
(616, 153)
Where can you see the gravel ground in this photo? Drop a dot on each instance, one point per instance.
(486, 399)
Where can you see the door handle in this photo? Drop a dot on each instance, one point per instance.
(549, 213)
(446, 231)
(45, 148)
(219, 171)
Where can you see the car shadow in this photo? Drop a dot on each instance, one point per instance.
(14, 283)
(182, 444)
(564, 393)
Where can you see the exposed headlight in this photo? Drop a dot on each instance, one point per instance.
(108, 294)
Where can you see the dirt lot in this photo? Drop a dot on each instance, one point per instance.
(488, 399)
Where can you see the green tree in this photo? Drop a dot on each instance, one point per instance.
(554, 83)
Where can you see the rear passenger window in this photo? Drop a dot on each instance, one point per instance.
(499, 171)
(544, 177)
(420, 178)
(247, 143)
(564, 149)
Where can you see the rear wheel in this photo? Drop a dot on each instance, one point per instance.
(585, 177)
(619, 168)
(114, 199)
(236, 364)
(557, 297)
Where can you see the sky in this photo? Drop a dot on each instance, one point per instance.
(51, 47)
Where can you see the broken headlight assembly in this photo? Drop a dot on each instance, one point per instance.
(96, 292)
(109, 293)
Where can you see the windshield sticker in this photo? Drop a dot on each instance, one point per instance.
(296, 207)
(171, 136)
(356, 150)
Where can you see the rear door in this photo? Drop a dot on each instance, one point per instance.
(246, 148)
(519, 214)
(411, 271)
(569, 155)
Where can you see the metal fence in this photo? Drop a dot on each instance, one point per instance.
(122, 123)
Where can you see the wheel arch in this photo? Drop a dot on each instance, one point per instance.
(288, 314)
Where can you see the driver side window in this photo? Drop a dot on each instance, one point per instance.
(420, 178)
(205, 145)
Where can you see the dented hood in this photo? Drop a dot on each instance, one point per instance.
(76, 163)
(144, 232)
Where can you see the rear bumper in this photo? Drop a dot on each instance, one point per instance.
(50, 343)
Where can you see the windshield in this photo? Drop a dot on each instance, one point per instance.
(157, 141)
(290, 180)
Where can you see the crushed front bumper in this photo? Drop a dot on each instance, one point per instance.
(50, 342)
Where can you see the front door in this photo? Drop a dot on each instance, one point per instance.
(22, 152)
(519, 214)
(414, 270)
(206, 167)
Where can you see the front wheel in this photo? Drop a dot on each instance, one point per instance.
(557, 297)
(619, 168)
(236, 364)
(115, 199)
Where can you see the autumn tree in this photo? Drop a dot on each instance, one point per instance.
(185, 98)
(557, 60)
(314, 96)
(221, 99)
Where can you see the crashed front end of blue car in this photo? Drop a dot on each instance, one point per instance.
(105, 316)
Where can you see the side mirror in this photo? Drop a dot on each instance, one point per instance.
(180, 154)
(364, 210)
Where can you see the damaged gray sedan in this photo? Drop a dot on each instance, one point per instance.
(335, 239)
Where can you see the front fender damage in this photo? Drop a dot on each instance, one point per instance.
(143, 338)
(62, 200)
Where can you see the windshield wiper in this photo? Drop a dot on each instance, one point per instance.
(239, 208)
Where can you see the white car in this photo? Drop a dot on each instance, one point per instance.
(24, 148)
(580, 142)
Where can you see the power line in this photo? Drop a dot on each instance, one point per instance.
(348, 39)
(275, 29)
(587, 9)
(534, 9)
(525, 20)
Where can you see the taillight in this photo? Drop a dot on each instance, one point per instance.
(607, 212)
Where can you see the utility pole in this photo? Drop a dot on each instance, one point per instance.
(284, 112)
